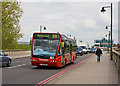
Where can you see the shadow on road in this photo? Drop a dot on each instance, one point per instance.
(52, 68)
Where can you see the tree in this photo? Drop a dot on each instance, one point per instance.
(30, 41)
(11, 13)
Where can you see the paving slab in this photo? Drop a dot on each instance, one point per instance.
(91, 72)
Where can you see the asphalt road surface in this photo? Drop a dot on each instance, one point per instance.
(21, 72)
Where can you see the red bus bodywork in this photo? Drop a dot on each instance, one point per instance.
(56, 62)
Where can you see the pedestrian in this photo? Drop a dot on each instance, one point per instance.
(98, 53)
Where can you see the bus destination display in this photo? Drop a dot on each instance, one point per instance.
(46, 36)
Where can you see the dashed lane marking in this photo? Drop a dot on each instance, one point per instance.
(17, 66)
(17, 61)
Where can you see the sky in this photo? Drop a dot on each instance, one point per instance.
(82, 20)
(119, 23)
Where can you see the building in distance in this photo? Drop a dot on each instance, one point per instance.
(103, 43)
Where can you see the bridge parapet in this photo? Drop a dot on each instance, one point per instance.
(18, 53)
(116, 58)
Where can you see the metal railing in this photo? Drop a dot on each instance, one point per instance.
(116, 58)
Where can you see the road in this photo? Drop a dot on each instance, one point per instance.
(21, 71)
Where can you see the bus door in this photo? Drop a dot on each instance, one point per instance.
(62, 52)
(70, 50)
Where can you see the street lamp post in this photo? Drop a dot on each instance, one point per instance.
(108, 37)
(103, 10)
(108, 41)
(41, 28)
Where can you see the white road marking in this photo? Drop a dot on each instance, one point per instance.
(17, 61)
(17, 66)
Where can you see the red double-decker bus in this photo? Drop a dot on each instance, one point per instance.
(52, 49)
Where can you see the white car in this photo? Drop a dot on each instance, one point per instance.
(85, 51)
(88, 50)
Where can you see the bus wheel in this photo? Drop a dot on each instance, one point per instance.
(38, 66)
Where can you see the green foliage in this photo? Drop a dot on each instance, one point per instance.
(30, 41)
(0, 37)
(23, 46)
(11, 13)
(0, 26)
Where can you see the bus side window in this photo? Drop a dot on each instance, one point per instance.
(67, 48)
(62, 48)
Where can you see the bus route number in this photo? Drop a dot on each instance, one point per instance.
(54, 36)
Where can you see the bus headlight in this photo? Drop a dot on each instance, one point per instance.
(53, 61)
(34, 60)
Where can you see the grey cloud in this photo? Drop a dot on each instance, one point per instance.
(65, 18)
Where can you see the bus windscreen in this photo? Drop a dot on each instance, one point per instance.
(45, 45)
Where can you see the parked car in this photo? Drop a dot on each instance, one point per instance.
(88, 50)
(5, 60)
(92, 50)
(85, 51)
(102, 49)
(79, 51)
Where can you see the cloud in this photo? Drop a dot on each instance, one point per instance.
(89, 23)
(75, 18)
(69, 0)
(105, 17)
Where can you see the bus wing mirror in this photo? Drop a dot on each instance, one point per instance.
(62, 44)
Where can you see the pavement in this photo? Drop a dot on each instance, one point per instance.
(91, 72)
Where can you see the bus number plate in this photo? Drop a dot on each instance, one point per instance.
(43, 64)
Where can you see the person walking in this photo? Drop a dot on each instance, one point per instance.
(98, 53)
